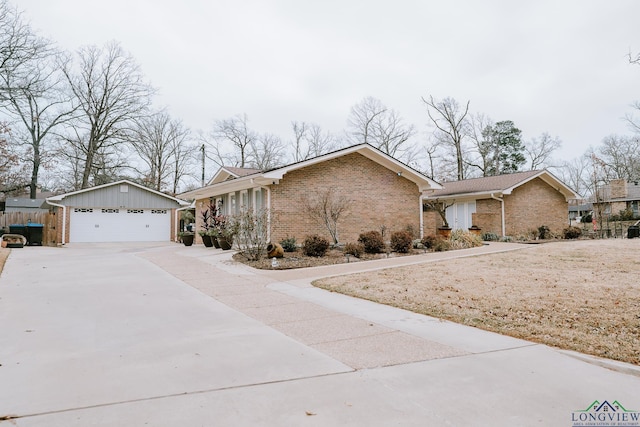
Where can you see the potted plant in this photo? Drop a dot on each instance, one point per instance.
(474, 229)
(206, 215)
(227, 230)
(441, 207)
(187, 235)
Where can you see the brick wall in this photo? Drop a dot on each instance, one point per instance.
(488, 216)
(535, 204)
(377, 197)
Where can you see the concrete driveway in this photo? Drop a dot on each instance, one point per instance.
(166, 335)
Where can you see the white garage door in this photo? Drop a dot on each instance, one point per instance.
(119, 225)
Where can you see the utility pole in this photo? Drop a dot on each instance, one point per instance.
(203, 165)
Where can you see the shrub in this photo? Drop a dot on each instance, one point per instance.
(441, 244)
(355, 249)
(571, 233)
(544, 232)
(289, 244)
(372, 242)
(315, 245)
(461, 239)
(401, 241)
(429, 241)
(490, 237)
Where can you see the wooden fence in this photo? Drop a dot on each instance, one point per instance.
(47, 219)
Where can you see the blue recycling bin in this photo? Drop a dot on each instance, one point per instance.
(34, 233)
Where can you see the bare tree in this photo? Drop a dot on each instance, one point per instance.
(18, 46)
(31, 88)
(539, 150)
(156, 139)
(449, 118)
(371, 122)
(266, 152)
(310, 141)
(620, 156)
(478, 125)
(111, 93)
(326, 208)
(576, 174)
(234, 139)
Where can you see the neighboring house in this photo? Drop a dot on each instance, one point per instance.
(507, 205)
(381, 192)
(579, 209)
(619, 195)
(24, 204)
(121, 211)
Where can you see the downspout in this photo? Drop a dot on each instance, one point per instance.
(421, 201)
(64, 219)
(501, 200)
(268, 212)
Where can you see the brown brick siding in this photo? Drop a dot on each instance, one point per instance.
(535, 204)
(378, 197)
(528, 207)
(488, 216)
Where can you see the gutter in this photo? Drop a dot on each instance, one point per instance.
(501, 200)
(64, 218)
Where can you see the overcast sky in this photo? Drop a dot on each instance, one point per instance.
(548, 65)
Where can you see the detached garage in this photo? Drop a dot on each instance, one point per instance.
(122, 211)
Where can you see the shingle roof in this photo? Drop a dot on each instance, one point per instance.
(484, 185)
(241, 171)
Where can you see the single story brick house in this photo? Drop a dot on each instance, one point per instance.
(121, 211)
(507, 205)
(381, 192)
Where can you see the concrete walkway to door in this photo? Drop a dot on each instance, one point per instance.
(167, 335)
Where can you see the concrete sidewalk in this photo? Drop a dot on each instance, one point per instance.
(168, 335)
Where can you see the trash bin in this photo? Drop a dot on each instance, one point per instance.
(34, 233)
(18, 229)
(633, 231)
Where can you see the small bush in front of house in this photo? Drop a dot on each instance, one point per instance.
(401, 241)
(315, 245)
(544, 232)
(461, 239)
(355, 249)
(428, 242)
(441, 244)
(571, 233)
(372, 242)
(289, 244)
(490, 237)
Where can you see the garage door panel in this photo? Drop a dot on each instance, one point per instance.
(119, 225)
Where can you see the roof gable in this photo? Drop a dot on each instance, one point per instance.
(227, 172)
(221, 182)
(499, 184)
(105, 196)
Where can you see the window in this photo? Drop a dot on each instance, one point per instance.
(159, 211)
(83, 210)
(110, 210)
(135, 211)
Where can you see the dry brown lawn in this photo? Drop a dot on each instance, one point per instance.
(578, 295)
